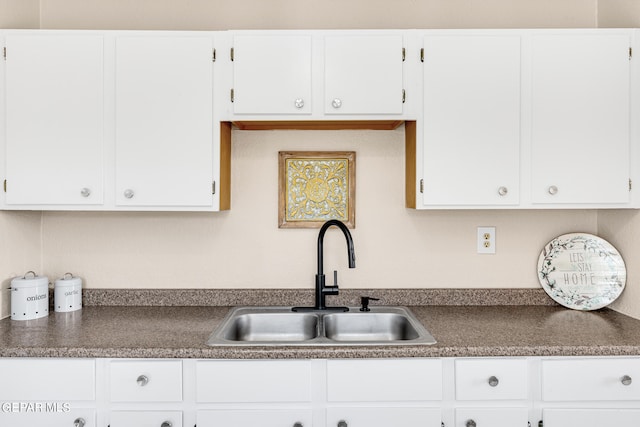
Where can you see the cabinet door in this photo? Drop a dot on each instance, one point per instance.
(580, 118)
(48, 414)
(164, 121)
(145, 419)
(363, 75)
(494, 417)
(54, 119)
(272, 74)
(471, 134)
(590, 417)
(294, 417)
(381, 416)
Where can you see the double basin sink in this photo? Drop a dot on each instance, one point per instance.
(280, 326)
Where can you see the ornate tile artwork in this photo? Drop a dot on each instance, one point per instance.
(316, 187)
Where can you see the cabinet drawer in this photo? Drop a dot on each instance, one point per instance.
(252, 418)
(145, 381)
(51, 418)
(494, 417)
(384, 380)
(384, 417)
(47, 379)
(591, 379)
(590, 417)
(491, 379)
(253, 381)
(146, 419)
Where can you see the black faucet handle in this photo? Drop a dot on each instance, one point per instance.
(364, 301)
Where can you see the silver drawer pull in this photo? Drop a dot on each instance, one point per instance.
(85, 192)
(79, 422)
(298, 424)
(342, 423)
(166, 424)
(626, 380)
(470, 423)
(502, 191)
(493, 381)
(553, 190)
(142, 380)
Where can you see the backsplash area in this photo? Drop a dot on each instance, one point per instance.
(244, 248)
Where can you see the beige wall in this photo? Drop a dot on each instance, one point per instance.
(395, 247)
(262, 14)
(619, 13)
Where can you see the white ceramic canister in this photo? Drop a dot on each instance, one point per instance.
(67, 293)
(29, 297)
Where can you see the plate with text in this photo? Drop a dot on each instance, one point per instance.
(581, 271)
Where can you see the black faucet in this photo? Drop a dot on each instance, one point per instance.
(321, 289)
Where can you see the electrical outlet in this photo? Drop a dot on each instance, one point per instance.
(486, 240)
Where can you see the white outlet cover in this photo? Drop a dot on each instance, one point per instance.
(486, 240)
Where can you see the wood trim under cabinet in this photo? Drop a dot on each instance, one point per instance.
(225, 166)
(410, 163)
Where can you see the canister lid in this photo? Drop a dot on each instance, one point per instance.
(68, 280)
(29, 280)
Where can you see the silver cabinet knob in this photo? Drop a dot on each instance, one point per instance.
(336, 103)
(128, 193)
(142, 380)
(166, 424)
(85, 192)
(470, 423)
(503, 191)
(493, 381)
(626, 380)
(342, 423)
(79, 422)
(299, 103)
(553, 190)
(298, 424)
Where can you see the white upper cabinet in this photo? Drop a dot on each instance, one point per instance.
(363, 74)
(580, 118)
(54, 119)
(164, 121)
(272, 74)
(471, 130)
(317, 75)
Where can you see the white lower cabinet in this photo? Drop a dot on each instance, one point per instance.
(493, 417)
(60, 416)
(255, 417)
(420, 392)
(383, 416)
(591, 417)
(145, 419)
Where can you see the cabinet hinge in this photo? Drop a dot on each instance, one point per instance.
(4, 53)
(213, 187)
(403, 54)
(5, 185)
(630, 53)
(422, 185)
(630, 184)
(213, 55)
(422, 55)
(232, 54)
(404, 96)
(232, 94)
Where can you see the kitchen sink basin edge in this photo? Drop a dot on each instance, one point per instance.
(280, 326)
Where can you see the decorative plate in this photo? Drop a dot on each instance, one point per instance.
(581, 271)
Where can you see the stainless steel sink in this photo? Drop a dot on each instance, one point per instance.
(279, 326)
(354, 326)
(271, 326)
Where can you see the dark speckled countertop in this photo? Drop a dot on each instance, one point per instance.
(181, 332)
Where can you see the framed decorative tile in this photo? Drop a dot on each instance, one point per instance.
(316, 186)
